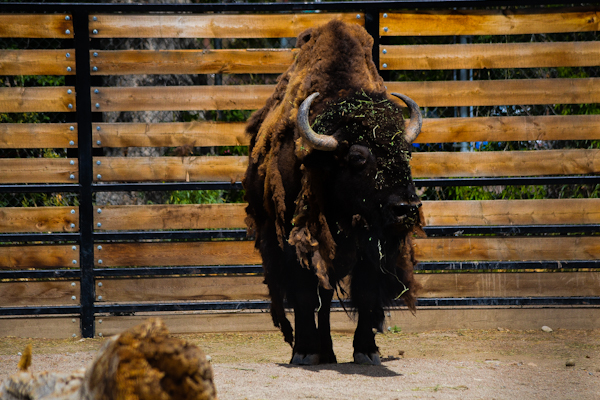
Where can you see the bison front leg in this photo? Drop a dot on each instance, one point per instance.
(326, 354)
(365, 298)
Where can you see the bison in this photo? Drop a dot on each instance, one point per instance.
(331, 201)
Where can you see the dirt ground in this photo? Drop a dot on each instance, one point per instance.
(464, 364)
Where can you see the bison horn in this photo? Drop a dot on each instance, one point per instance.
(317, 141)
(416, 119)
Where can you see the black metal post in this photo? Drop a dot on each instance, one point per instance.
(86, 207)
(372, 27)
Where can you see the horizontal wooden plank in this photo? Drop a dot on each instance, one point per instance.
(512, 212)
(36, 26)
(231, 61)
(39, 170)
(181, 169)
(489, 22)
(210, 288)
(168, 98)
(38, 256)
(39, 219)
(490, 55)
(177, 253)
(500, 92)
(426, 319)
(505, 163)
(38, 136)
(426, 94)
(37, 99)
(424, 165)
(37, 62)
(505, 129)
(170, 134)
(177, 216)
(526, 284)
(508, 249)
(39, 293)
(435, 130)
(427, 250)
(211, 25)
(47, 327)
(437, 213)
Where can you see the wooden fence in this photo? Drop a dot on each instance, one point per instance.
(84, 269)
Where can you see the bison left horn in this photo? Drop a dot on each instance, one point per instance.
(416, 119)
(317, 141)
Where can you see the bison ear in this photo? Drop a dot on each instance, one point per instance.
(304, 37)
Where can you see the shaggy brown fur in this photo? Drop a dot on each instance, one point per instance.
(288, 200)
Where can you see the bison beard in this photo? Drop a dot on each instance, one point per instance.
(335, 201)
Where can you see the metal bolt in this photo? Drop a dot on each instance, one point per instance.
(99, 247)
(71, 176)
(98, 162)
(96, 91)
(73, 298)
(72, 211)
(68, 69)
(74, 261)
(73, 320)
(98, 142)
(99, 297)
(68, 55)
(95, 31)
(72, 162)
(99, 261)
(98, 128)
(73, 284)
(357, 16)
(97, 105)
(99, 284)
(99, 211)
(99, 224)
(95, 69)
(72, 225)
(100, 334)
(95, 54)
(72, 143)
(74, 248)
(99, 176)
(99, 321)
(95, 18)
(384, 65)
(384, 51)
(67, 32)
(384, 15)
(74, 335)
(70, 106)
(69, 91)
(71, 128)
(67, 18)
(385, 29)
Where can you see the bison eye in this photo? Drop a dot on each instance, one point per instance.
(358, 156)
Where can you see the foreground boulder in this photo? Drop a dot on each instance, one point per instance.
(142, 363)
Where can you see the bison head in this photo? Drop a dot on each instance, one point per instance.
(363, 153)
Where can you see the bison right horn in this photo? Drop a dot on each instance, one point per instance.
(317, 141)
(416, 119)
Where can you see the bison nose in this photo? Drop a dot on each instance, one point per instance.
(400, 210)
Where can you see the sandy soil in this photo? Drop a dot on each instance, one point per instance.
(466, 364)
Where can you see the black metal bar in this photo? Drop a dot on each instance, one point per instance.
(58, 310)
(39, 237)
(86, 206)
(197, 235)
(510, 230)
(263, 7)
(166, 186)
(509, 301)
(38, 188)
(178, 270)
(516, 181)
(507, 265)
(39, 274)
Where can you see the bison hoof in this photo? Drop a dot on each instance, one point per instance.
(305, 359)
(367, 359)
